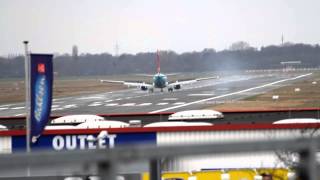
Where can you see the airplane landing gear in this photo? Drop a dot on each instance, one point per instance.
(170, 89)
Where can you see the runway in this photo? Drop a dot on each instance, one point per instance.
(195, 96)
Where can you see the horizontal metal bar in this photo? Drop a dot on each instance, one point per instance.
(134, 153)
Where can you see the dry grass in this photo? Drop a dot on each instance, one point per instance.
(13, 90)
(307, 97)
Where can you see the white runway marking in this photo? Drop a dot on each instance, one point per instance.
(119, 99)
(97, 102)
(20, 114)
(200, 94)
(170, 99)
(129, 104)
(58, 102)
(70, 106)
(57, 109)
(16, 108)
(108, 101)
(55, 106)
(94, 104)
(90, 97)
(178, 103)
(3, 108)
(230, 94)
(161, 104)
(145, 104)
(112, 104)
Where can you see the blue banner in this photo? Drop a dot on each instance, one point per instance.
(80, 141)
(41, 79)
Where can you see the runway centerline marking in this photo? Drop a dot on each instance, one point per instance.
(230, 94)
(200, 94)
(89, 97)
(170, 99)
(145, 104)
(179, 103)
(129, 104)
(95, 104)
(70, 106)
(112, 104)
(163, 103)
(16, 108)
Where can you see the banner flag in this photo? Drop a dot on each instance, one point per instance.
(41, 79)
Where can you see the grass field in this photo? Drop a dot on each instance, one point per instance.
(307, 97)
(13, 90)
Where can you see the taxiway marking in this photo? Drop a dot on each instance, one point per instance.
(230, 94)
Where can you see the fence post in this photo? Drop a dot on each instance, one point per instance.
(155, 169)
(107, 170)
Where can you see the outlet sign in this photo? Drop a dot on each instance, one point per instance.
(84, 141)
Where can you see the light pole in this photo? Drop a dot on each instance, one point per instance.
(27, 86)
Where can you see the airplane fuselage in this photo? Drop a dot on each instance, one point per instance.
(160, 81)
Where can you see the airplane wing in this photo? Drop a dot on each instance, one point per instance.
(182, 82)
(191, 81)
(134, 84)
(151, 75)
(172, 74)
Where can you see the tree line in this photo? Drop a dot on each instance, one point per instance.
(240, 56)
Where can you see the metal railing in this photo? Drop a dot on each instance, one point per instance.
(107, 161)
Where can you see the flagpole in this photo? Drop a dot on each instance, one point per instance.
(27, 87)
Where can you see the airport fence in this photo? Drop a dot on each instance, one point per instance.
(106, 161)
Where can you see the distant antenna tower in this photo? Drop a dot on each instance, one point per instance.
(116, 49)
(282, 40)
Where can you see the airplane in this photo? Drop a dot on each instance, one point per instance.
(160, 81)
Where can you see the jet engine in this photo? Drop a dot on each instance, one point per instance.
(178, 86)
(144, 88)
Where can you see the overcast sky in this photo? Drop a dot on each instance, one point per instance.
(95, 26)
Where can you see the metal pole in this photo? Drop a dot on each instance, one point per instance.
(107, 170)
(312, 163)
(307, 168)
(27, 87)
(155, 170)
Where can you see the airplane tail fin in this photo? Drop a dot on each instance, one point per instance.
(158, 62)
